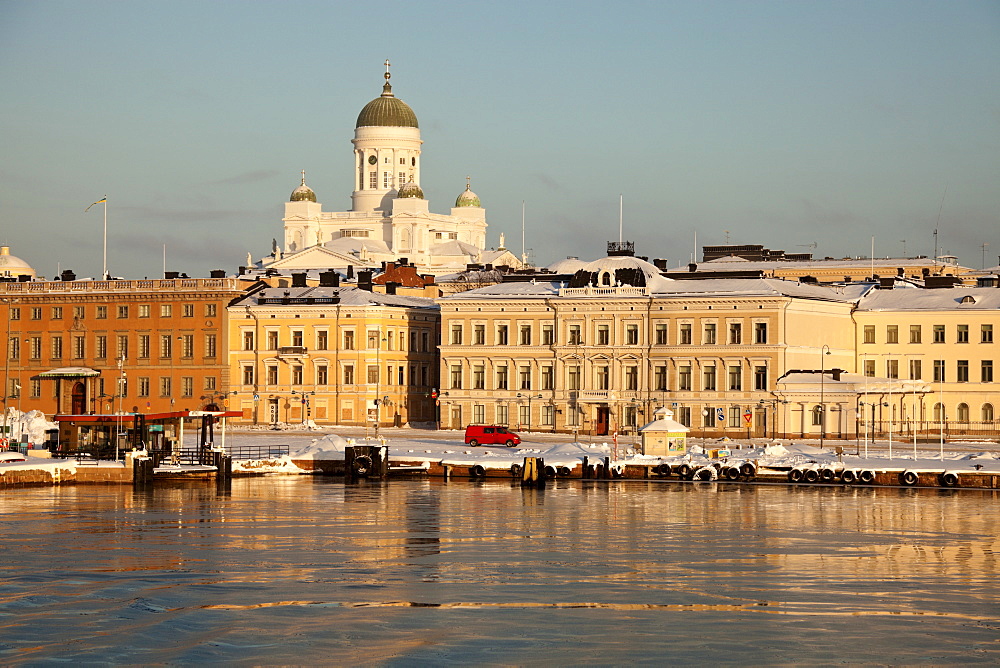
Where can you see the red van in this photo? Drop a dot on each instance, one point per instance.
(488, 434)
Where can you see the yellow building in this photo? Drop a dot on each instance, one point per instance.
(333, 355)
(942, 337)
(600, 353)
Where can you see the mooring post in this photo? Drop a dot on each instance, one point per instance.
(533, 472)
(586, 468)
(607, 468)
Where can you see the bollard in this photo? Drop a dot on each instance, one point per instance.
(586, 468)
(533, 472)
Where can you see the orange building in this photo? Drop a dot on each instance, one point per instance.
(83, 347)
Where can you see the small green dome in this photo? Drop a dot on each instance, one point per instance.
(468, 198)
(411, 189)
(303, 193)
(387, 111)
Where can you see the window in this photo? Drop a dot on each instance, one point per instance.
(122, 312)
(915, 370)
(660, 379)
(870, 368)
(373, 180)
(35, 389)
(938, 333)
(144, 386)
(187, 386)
(456, 376)
(684, 378)
(502, 380)
(372, 374)
(524, 413)
(986, 371)
(939, 371)
(524, 375)
(13, 348)
(348, 374)
(735, 415)
(708, 417)
(892, 368)
(548, 335)
(502, 416)
(373, 339)
(166, 310)
(165, 386)
(708, 334)
(210, 310)
(478, 377)
(143, 310)
(501, 335)
(456, 335)
(478, 335)
(144, 346)
(387, 179)
(986, 334)
(166, 346)
(121, 347)
(963, 334)
(735, 378)
(296, 374)
(869, 334)
(36, 347)
(661, 334)
(760, 332)
(548, 415)
(322, 374)
(271, 336)
(962, 371)
(735, 333)
(548, 377)
(987, 413)
(15, 312)
(685, 334)
(479, 413)
(248, 374)
(187, 346)
(349, 340)
(602, 377)
(817, 416)
(760, 377)
(963, 412)
(297, 338)
(892, 334)
(210, 382)
(631, 335)
(684, 415)
(632, 378)
(603, 335)
(708, 378)
(79, 348)
(36, 312)
(79, 312)
(524, 337)
(573, 378)
(248, 340)
(915, 335)
(57, 312)
(101, 347)
(574, 335)
(57, 350)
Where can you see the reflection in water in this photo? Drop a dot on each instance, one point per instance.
(303, 570)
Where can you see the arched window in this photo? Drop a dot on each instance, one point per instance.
(817, 414)
(605, 278)
(938, 412)
(987, 412)
(963, 412)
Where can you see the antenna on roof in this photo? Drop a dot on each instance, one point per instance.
(621, 204)
(524, 255)
(938, 224)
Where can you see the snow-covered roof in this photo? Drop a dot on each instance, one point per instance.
(742, 264)
(940, 299)
(355, 244)
(349, 296)
(568, 266)
(455, 247)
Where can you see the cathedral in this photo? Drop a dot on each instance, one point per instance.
(389, 218)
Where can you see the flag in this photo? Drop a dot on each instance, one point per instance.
(103, 200)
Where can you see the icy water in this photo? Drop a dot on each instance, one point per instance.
(308, 571)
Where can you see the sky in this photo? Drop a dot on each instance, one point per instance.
(802, 126)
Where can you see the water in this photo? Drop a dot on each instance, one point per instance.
(303, 570)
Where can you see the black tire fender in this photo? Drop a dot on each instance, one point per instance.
(732, 473)
(478, 471)
(909, 478)
(550, 472)
(515, 470)
(362, 465)
(949, 479)
(683, 470)
(810, 475)
(748, 470)
(867, 476)
(827, 475)
(795, 475)
(849, 476)
(563, 471)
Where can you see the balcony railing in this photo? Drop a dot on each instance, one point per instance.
(292, 351)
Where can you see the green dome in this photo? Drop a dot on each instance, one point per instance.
(411, 189)
(468, 198)
(387, 110)
(303, 193)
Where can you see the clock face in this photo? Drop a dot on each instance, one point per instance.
(372, 160)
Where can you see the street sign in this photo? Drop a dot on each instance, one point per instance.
(720, 415)
(673, 405)
(256, 397)
(748, 417)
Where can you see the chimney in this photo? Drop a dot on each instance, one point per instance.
(329, 279)
(365, 280)
(67, 275)
(886, 283)
(403, 261)
(836, 373)
(692, 266)
(660, 263)
(217, 273)
(242, 271)
(169, 275)
(350, 271)
(299, 280)
(390, 287)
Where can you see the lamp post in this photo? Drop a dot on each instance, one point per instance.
(6, 366)
(529, 397)
(305, 403)
(823, 352)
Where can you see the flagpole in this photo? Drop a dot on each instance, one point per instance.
(104, 276)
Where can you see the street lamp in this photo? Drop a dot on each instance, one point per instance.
(824, 351)
(305, 403)
(529, 397)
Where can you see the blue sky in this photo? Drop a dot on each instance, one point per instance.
(781, 123)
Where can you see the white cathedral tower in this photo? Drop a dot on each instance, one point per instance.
(389, 218)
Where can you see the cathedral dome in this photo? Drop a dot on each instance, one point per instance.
(387, 110)
(410, 189)
(303, 193)
(11, 265)
(468, 198)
